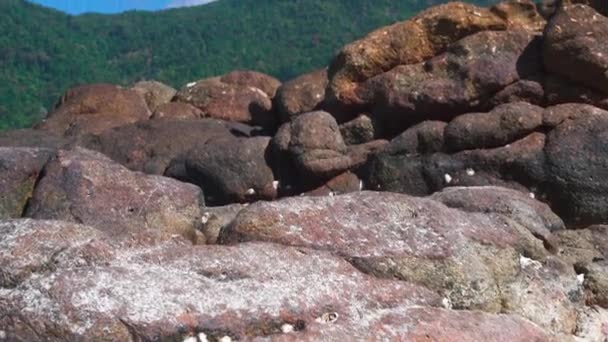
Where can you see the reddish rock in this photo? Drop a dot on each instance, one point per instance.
(583, 246)
(503, 125)
(248, 78)
(301, 95)
(20, 169)
(467, 257)
(530, 91)
(177, 110)
(94, 108)
(359, 130)
(425, 137)
(167, 291)
(215, 219)
(458, 81)
(232, 170)
(87, 187)
(229, 101)
(150, 146)
(575, 46)
(31, 138)
(341, 184)
(154, 93)
(409, 42)
(560, 90)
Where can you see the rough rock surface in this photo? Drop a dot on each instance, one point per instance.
(360, 130)
(20, 169)
(575, 47)
(95, 108)
(154, 93)
(232, 170)
(86, 187)
(422, 241)
(301, 95)
(249, 78)
(150, 146)
(177, 110)
(31, 138)
(229, 101)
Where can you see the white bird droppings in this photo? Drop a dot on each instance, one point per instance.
(532, 195)
(527, 262)
(328, 317)
(446, 303)
(191, 84)
(470, 172)
(360, 185)
(226, 339)
(286, 328)
(447, 178)
(250, 191)
(190, 339)
(580, 279)
(2, 334)
(205, 218)
(202, 337)
(275, 184)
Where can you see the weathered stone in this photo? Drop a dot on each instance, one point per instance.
(20, 169)
(469, 258)
(341, 184)
(87, 187)
(425, 137)
(94, 108)
(150, 146)
(248, 78)
(575, 46)
(100, 289)
(359, 130)
(560, 90)
(177, 110)
(503, 125)
(529, 90)
(154, 93)
(583, 246)
(31, 138)
(596, 284)
(301, 95)
(217, 218)
(229, 101)
(592, 324)
(233, 170)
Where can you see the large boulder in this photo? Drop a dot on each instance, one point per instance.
(68, 282)
(424, 36)
(248, 78)
(177, 110)
(233, 170)
(150, 146)
(87, 187)
(460, 80)
(575, 46)
(94, 108)
(154, 93)
(503, 125)
(476, 261)
(301, 95)
(229, 101)
(20, 169)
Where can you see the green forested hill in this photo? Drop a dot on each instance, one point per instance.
(42, 51)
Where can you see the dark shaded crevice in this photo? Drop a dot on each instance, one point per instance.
(39, 178)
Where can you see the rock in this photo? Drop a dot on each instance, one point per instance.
(248, 78)
(341, 184)
(359, 130)
(31, 138)
(576, 165)
(86, 187)
(94, 108)
(177, 110)
(591, 324)
(215, 219)
(409, 42)
(301, 95)
(583, 246)
(233, 170)
(458, 81)
(574, 46)
(467, 257)
(425, 137)
(229, 101)
(150, 146)
(154, 93)
(501, 126)
(559, 90)
(314, 143)
(104, 290)
(530, 213)
(529, 90)
(19, 172)
(520, 13)
(596, 284)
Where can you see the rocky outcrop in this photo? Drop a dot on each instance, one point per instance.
(233, 97)
(86, 187)
(177, 110)
(154, 93)
(95, 108)
(301, 95)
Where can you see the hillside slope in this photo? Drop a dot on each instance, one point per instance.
(43, 51)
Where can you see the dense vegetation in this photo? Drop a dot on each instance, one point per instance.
(42, 51)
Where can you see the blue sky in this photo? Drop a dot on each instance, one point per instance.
(114, 6)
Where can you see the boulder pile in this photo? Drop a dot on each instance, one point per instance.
(443, 179)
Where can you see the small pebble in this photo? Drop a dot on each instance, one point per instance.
(287, 328)
(448, 178)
